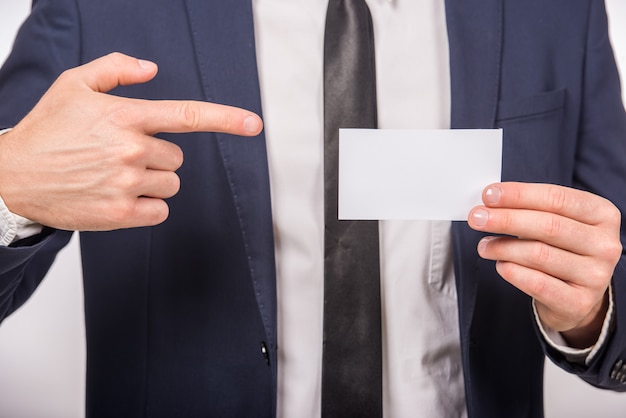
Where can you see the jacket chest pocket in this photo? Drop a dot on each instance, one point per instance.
(534, 148)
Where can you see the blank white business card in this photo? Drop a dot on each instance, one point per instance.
(416, 174)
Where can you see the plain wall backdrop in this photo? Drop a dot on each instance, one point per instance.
(42, 353)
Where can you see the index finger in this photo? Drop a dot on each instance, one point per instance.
(571, 203)
(179, 116)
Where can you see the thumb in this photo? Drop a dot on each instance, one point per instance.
(112, 70)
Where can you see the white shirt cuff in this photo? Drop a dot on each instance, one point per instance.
(8, 226)
(575, 355)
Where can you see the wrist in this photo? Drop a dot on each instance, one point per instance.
(12, 226)
(588, 331)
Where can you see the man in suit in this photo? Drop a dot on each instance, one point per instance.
(183, 318)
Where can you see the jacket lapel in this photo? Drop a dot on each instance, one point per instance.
(220, 29)
(475, 42)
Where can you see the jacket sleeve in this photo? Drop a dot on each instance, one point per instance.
(601, 169)
(47, 44)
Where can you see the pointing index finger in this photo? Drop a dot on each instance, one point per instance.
(182, 116)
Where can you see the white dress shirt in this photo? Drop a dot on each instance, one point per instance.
(422, 372)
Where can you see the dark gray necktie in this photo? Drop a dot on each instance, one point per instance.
(352, 362)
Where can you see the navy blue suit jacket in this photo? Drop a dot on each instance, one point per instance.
(177, 314)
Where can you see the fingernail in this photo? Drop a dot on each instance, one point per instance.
(492, 195)
(480, 217)
(251, 124)
(482, 245)
(146, 65)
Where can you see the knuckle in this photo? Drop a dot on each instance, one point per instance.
(169, 155)
(159, 213)
(178, 157)
(120, 115)
(114, 55)
(176, 183)
(617, 214)
(190, 116)
(131, 152)
(606, 246)
(611, 249)
(121, 211)
(606, 212)
(585, 303)
(506, 219)
(613, 214)
(128, 181)
(617, 249)
(116, 58)
(541, 254)
(173, 185)
(597, 275)
(551, 226)
(506, 269)
(66, 76)
(536, 285)
(557, 198)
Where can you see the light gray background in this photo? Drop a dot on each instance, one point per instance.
(42, 351)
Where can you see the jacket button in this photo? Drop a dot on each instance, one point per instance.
(618, 372)
(265, 353)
